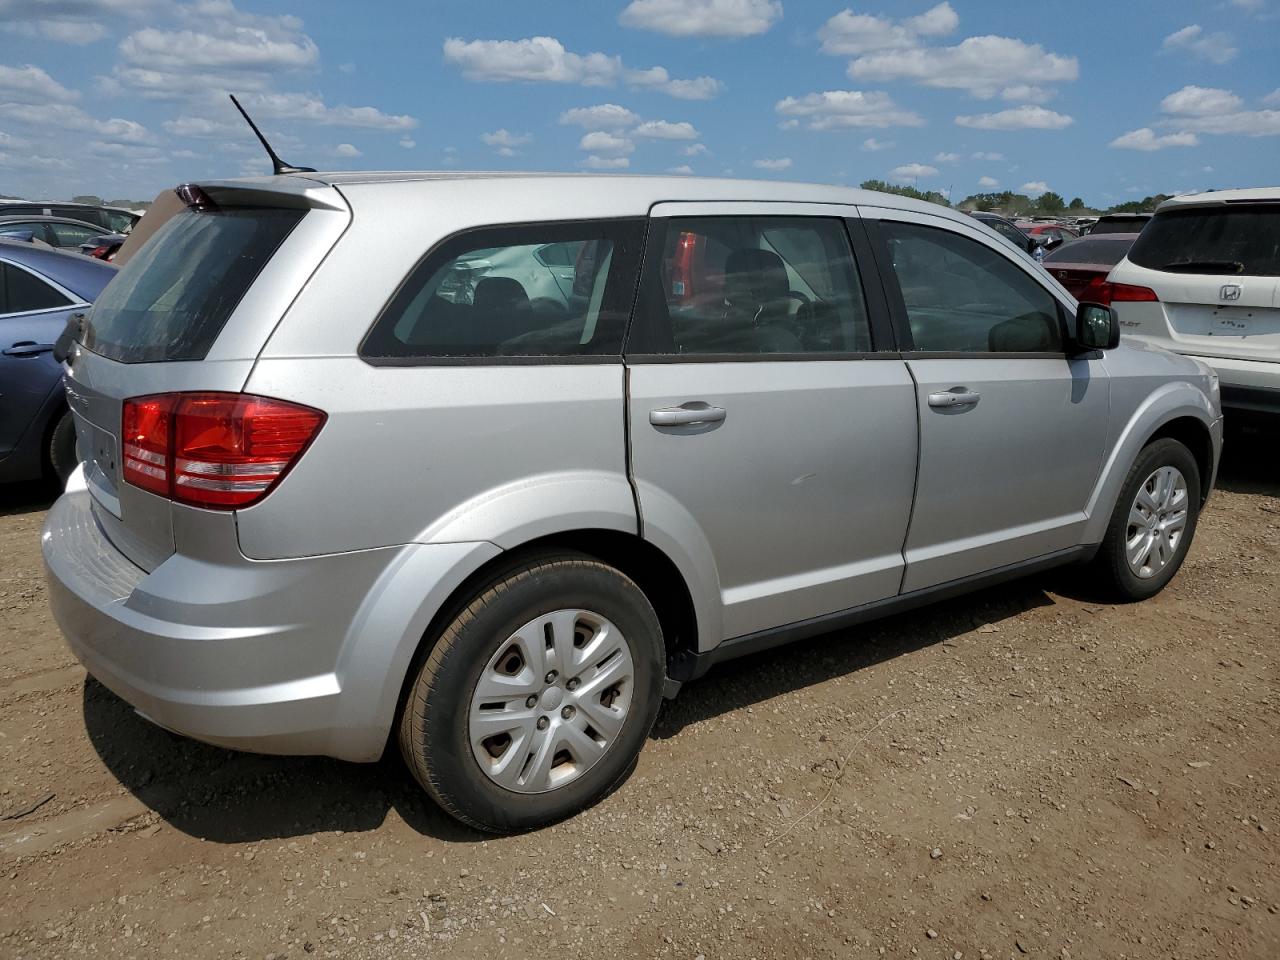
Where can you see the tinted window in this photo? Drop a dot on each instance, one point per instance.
(1103, 251)
(70, 235)
(119, 222)
(1120, 225)
(171, 300)
(559, 289)
(752, 285)
(21, 291)
(962, 296)
(23, 231)
(86, 214)
(1214, 240)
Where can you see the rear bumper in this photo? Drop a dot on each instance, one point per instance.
(299, 656)
(1246, 384)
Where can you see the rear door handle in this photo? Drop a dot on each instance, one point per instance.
(686, 414)
(955, 397)
(27, 348)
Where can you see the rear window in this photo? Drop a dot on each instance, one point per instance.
(531, 290)
(1120, 225)
(1101, 251)
(1242, 240)
(173, 298)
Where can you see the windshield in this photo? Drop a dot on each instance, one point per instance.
(172, 299)
(1223, 240)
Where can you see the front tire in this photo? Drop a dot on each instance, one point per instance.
(536, 699)
(1153, 523)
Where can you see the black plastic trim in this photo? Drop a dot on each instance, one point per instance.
(1253, 399)
(755, 357)
(693, 665)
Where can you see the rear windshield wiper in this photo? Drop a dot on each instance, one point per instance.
(1204, 266)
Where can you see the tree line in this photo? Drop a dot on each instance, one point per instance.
(1018, 204)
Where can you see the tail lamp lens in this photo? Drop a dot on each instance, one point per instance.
(1104, 292)
(221, 451)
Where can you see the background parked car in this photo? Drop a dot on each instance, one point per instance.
(39, 290)
(1120, 223)
(1055, 231)
(57, 232)
(1086, 261)
(1010, 231)
(1203, 280)
(104, 247)
(111, 219)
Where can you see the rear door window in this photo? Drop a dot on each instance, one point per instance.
(172, 299)
(533, 290)
(739, 285)
(1237, 240)
(23, 292)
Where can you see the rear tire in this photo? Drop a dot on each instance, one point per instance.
(536, 699)
(1153, 523)
(62, 448)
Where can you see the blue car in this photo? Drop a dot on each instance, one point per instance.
(39, 290)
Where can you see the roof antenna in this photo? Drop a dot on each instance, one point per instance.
(278, 165)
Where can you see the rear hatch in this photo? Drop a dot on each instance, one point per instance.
(190, 312)
(1216, 271)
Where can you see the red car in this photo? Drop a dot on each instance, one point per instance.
(1088, 260)
(1055, 231)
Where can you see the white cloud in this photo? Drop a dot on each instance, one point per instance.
(683, 170)
(1034, 188)
(871, 144)
(778, 163)
(9, 142)
(505, 142)
(605, 144)
(1193, 101)
(1252, 6)
(76, 22)
(78, 33)
(310, 108)
(665, 130)
(408, 143)
(204, 128)
(946, 158)
(981, 65)
(1272, 99)
(1018, 118)
(223, 38)
(347, 68)
(912, 171)
(837, 109)
(347, 150)
(604, 116)
(1144, 138)
(67, 117)
(1209, 110)
(1026, 93)
(545, 60)
(594, 162)
(987, 155)
(657, 78)
(988, 182)
(702, 18)
(849, 33)
(695, 150)
(30, 84)
(1214, 47)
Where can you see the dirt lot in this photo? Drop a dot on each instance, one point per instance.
(1024, 772)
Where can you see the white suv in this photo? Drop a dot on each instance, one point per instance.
(1203, 280)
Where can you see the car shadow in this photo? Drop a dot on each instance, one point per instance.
(1251, 457)
(763, 676)
(27, 497)
(226, 796)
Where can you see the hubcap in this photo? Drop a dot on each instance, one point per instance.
(1157, 520)
(551, 701)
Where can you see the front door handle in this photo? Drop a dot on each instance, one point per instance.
(955, 397)
(27, 348)
(686, 414)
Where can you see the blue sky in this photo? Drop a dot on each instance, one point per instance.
(1108, 101)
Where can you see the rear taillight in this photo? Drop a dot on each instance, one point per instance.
(102, 252)
(1101, 291)
(216, 450)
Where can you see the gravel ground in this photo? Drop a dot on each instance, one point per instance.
(1022, 772)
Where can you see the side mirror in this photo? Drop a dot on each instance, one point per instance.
(1097, 327)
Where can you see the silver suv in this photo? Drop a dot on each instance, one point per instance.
(322, 503)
